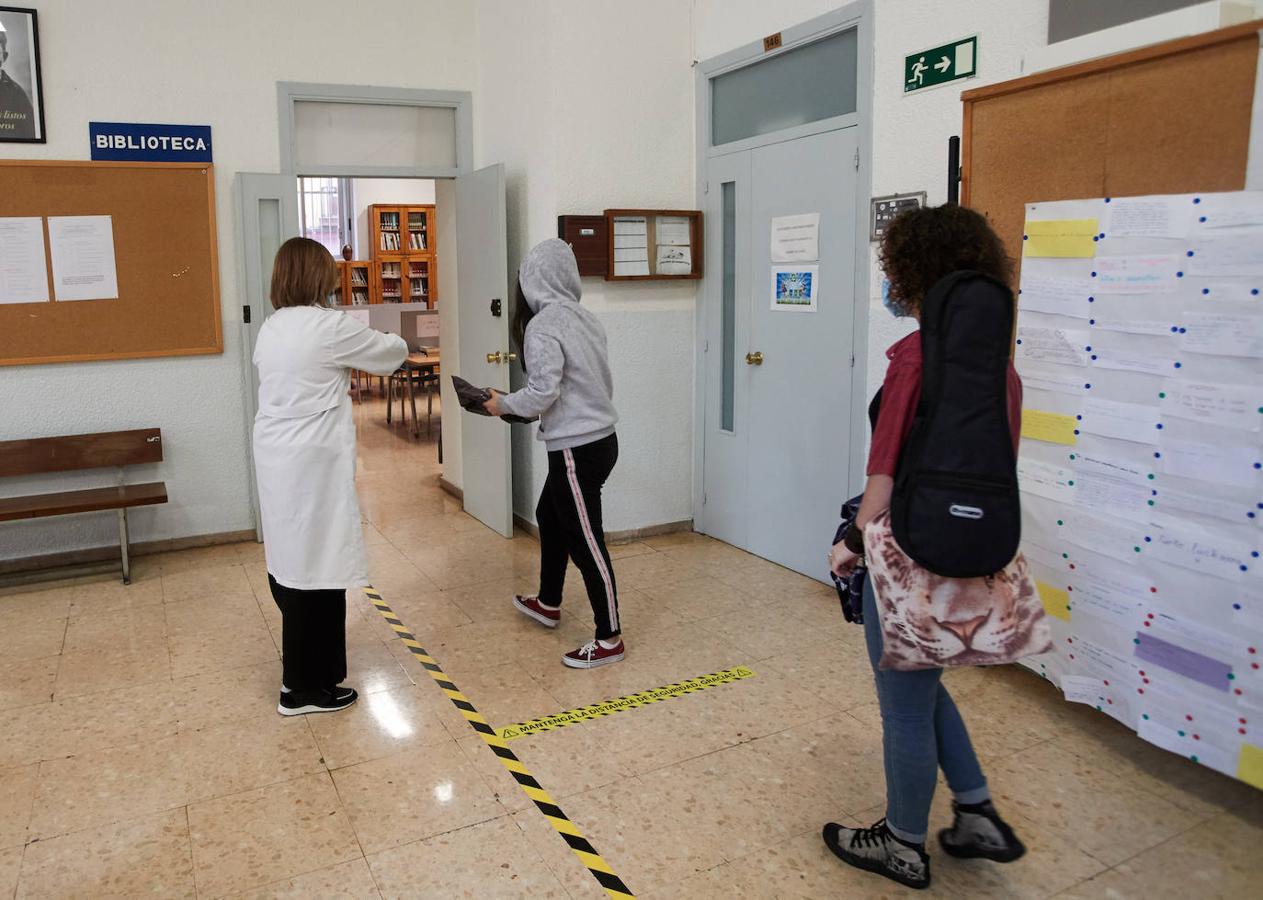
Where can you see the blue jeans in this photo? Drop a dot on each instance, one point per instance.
(921, 731)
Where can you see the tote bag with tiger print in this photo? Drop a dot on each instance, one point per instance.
(929, 621)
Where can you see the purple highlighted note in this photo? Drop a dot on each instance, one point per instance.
(1190, 664)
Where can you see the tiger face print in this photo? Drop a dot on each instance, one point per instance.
(929, 621)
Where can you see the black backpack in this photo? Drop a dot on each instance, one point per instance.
(955, 509)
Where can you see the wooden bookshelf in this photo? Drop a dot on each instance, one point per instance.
(356, 284)
(404, 264)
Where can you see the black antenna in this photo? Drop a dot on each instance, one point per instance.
(953, 170)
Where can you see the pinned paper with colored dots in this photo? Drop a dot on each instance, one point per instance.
(1054, 428)
(1141, 468)
(1056, 601)
(1061, 238)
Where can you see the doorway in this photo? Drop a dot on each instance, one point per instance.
(784, 139)
(423, 137)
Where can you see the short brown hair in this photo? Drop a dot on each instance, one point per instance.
(304, 274)
(922, 246)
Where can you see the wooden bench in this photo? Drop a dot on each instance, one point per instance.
(41, 456)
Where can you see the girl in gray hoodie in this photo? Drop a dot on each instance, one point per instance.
(570, 388)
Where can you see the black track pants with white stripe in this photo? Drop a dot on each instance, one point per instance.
(569, 517)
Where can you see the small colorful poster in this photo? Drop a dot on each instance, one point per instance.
(795, 288)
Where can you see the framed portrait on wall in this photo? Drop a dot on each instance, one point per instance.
(21, 89)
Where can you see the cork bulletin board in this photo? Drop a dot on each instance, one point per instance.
(165, 258)
(1168, 119)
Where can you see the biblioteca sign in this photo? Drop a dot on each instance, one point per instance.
(136, 142)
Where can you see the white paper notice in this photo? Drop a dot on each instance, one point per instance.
(674, 260)
(1059, 381)
(1081, 689)
(1227, 405)
(673, 230)
(1231, 210)
(1112, 495)
(1112, 594)
(1059, 296)
(1125, 421)
(1219, 463)
(1228, 256)
(1131, 361)
(1149, 217)
(1112, 467)
(1223, 334)
(1136, 274)
(428, 326)
(631, 250)
(23, 271)
(796, 238)
(82, 249)
(1064, 346)
(1107, 535)
(1044, 480)
(1199, 550)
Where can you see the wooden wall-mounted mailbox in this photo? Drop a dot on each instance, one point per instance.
(653, 244)
(586, 235)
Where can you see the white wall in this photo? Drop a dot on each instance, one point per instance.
(590, 106)
(909, 132)
(402, 191)
(202, 63)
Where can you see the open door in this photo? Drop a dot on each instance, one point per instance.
(268, 210)
(483, 307)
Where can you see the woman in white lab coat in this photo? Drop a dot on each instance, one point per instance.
(304, 459)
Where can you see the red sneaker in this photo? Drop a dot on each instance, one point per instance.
(592, 654)
(530, 606)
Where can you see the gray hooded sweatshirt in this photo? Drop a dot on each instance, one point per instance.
(568, 381)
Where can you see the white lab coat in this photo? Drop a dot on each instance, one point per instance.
(304, 442)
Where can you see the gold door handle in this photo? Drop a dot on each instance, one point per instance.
(498, 357)
(755, 358)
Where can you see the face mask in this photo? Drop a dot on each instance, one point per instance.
(891, 306)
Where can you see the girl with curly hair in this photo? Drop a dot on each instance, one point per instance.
(922, 731)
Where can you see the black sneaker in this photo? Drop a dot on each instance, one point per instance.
(875, 849)
(300, 703)
(979, 833)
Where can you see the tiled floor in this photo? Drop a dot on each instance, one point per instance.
(141, 753)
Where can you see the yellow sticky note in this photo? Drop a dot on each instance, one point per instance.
(1060, 238)
(1056, 601)
(1054, 428)
(1250, 765)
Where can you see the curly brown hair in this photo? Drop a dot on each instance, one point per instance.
(921, 246)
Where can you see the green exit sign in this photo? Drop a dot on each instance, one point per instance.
(940, 65)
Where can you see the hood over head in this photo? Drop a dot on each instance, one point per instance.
(549, 274)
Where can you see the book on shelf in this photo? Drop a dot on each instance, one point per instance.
(359, 298)
(390, 240)
(417, 240)
(359, 278)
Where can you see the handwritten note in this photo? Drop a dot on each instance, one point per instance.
(1220, 463)
(1227, 257)
(1082, 689)
(1059, 296)
(1044, 479)
(1061, 238)
(1063, 346)
(1059, 381)
(1223, 333)
(1218, 554)
(1056, 600)
(1152, 363)
(1114, 496)
(1111, 467)
(1109, 593)
(1107, 535)
(1149, 217)
(1116, 419)
(1053, 428)
(1226, 405)
(1136, 274)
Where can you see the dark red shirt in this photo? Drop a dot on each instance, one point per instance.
(899, 395)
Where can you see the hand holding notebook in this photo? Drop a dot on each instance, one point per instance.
(474, 400)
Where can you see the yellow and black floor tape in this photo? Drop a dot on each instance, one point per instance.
(622, 704)
(569, 832)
